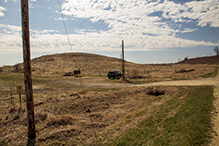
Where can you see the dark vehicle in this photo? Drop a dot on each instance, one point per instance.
(114, 74)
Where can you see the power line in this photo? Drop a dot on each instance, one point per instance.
(64, 25)
(78, 74)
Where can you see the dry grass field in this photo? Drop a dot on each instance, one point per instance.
(61, 118)
(96, 65)
(122, 114)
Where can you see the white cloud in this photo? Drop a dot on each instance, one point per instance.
(127, 20)
(204, 12)
(11, 40)
(10, 43)
(43, 41)
(186, 30)
(1, 11)
(12, 0)
(10, 28)
(44, 31)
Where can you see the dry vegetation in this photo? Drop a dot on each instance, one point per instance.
(202, 60)
(60, 115)
(97, 65)
(117, 115)
(61, 119)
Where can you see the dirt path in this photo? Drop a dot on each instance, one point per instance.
(198, 82)
(102, 83)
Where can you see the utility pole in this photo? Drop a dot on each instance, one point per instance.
(27, 73)
(123, 63)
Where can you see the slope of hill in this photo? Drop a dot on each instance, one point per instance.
(89, 64)
(97, 65)
(202, 60)
(58, 64)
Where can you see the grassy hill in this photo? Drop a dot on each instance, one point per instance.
(202, 60)
(97, 65)
(58, 64)
(89, 64)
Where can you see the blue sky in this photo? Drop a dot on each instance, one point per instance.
(154, 31)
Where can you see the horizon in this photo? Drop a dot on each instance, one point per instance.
(110, 57)
(154, 31)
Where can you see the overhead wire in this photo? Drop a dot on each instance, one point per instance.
(64, 25)
(88, 109)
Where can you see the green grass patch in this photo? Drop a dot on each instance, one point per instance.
(13, 79)
(211, 74)
(180, 121)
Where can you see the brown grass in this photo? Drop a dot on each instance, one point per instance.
(65, 121)
(60, 109)
(94, 65)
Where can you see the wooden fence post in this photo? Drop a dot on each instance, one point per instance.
(27, 72)
(123, 62)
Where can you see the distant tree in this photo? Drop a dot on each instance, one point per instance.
(216, 50)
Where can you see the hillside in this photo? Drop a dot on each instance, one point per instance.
(89, 64)
(97, 65)
(58, 64)
(202, 60)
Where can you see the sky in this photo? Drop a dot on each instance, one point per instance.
(154, 31)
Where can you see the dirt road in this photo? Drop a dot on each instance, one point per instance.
(102, 83)
(197, 82)
(89, 82)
